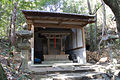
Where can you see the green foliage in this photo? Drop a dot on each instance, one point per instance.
(12, 48)
(71, 6)
(3, 53)
(116, 42)
(7, 6)
(23, 77)
(98, 5)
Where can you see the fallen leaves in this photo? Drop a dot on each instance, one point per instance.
(11, 65)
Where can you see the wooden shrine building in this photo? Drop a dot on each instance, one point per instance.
(57, 36)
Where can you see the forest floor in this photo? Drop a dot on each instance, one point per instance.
(11, 63)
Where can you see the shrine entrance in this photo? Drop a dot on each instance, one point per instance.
(50, 42)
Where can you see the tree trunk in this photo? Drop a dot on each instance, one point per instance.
(92, 44)
(89, 7)
(0, 18)
(13, 25)
(96, 29)
(115, 6)
(104, 24)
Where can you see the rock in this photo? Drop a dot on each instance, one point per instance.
(114, 61)
(102, 60)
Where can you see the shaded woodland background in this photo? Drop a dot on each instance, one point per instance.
(12, 19)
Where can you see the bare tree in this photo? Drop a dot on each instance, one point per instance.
(13, 25)
(104, 23)
(115, 6)
(92, 37)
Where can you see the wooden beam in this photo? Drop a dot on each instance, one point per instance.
(53, 37)
(55, 33)
(73, 23)
(45, 21)
(59, 19)
(58, 22)
(44, 31)
(54, 23)
(74, 49)
(58, 26)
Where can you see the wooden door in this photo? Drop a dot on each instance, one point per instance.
(54, 47)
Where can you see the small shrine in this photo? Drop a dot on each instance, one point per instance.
(56, 36)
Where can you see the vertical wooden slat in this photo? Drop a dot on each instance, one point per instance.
(32, 44)
(61, 45)
(76, 38)
(83, 37)
(55, 41)
(48, 45)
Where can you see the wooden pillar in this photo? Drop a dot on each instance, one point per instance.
(48, 44)
(61, 44)
(32, 44)
(79, 43)
(76, 38)
(83, 37)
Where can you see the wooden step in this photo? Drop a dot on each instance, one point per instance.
(73, 76)
(56, 61)
(55, 57)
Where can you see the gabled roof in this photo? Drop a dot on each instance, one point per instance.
(57, 20)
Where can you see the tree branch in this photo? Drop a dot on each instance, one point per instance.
(94, 12)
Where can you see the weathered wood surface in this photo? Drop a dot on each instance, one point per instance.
(57, 20)
(58, 67)
(56, 57)
(70, 76)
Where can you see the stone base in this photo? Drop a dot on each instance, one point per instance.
(56, 66)
(79, 72)
(72, 76)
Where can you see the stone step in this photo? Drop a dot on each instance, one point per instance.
(66, 63)
(62, 68)
(56, 61)
(72, 76)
